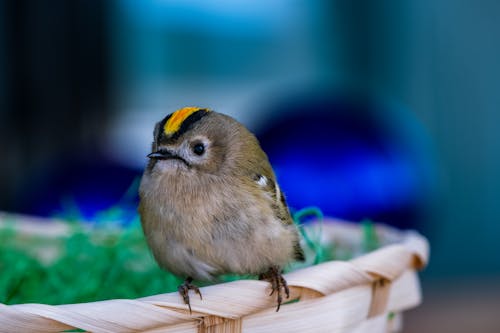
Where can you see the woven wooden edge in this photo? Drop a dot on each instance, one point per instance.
(336, 296)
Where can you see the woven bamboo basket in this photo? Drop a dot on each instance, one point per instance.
(365, 294)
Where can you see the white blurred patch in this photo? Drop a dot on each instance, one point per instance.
(262, 181)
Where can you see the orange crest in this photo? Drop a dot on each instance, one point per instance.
(178, 117)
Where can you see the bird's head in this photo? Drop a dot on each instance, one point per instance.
(192, 138)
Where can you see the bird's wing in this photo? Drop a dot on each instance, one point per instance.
(278, 202)
(279, 206)
(261, 174)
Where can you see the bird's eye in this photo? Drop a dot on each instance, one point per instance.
(199, 149)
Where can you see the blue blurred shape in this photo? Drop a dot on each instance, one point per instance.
(354, 158)
(89, 189)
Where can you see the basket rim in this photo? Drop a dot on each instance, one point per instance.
(379, 271)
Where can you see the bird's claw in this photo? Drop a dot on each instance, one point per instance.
(184, 291)
(278, 282)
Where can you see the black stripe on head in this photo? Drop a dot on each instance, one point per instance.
(189, 122)
(159, 133)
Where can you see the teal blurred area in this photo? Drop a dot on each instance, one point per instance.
(83, 82)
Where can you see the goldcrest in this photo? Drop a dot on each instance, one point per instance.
(210, 203)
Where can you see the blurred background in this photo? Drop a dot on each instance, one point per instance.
(384, 110)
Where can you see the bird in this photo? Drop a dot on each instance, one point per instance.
(210, 203)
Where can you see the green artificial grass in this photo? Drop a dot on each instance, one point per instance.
(89, 266)
(105, 261)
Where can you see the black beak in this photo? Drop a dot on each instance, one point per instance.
(162, 155)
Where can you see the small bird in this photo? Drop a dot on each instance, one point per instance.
(210, 203)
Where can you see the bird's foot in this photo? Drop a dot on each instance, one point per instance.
(184, 291)
(278, 284)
